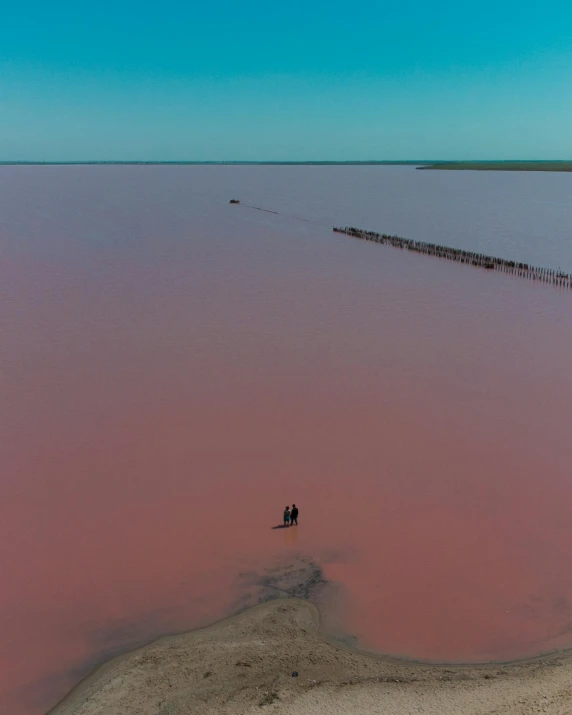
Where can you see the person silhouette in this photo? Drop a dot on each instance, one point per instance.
(287, 516)
(294, 515)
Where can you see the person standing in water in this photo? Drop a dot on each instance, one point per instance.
(287, 516)
(294, 515)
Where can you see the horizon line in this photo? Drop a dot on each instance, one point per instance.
(16, 162)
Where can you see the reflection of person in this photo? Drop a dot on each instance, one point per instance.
(287, 516)
(290, 536)
(294, 515)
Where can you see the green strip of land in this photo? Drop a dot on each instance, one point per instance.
(501, 165)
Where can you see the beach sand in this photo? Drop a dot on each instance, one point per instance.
(244, 664)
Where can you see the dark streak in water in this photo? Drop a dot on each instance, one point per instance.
(258, 208)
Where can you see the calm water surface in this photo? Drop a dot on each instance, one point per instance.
(175, 370)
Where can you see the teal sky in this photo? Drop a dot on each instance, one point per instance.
(296, 80)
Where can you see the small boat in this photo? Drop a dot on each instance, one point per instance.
(234, 201)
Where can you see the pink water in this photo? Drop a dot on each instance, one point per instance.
(175, 370)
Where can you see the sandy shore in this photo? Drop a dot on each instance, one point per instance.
(244, 664)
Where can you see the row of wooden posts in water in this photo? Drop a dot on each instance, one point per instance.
(523, 270)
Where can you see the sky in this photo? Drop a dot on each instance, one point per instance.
(298, 80)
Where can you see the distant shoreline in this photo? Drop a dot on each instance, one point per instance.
(499, 166)
(423, 164)
(215, 163)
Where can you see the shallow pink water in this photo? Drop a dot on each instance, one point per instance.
(175, 370)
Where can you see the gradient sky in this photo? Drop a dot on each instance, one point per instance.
(295, 80)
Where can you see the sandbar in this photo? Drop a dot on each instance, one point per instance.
(245, 664)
